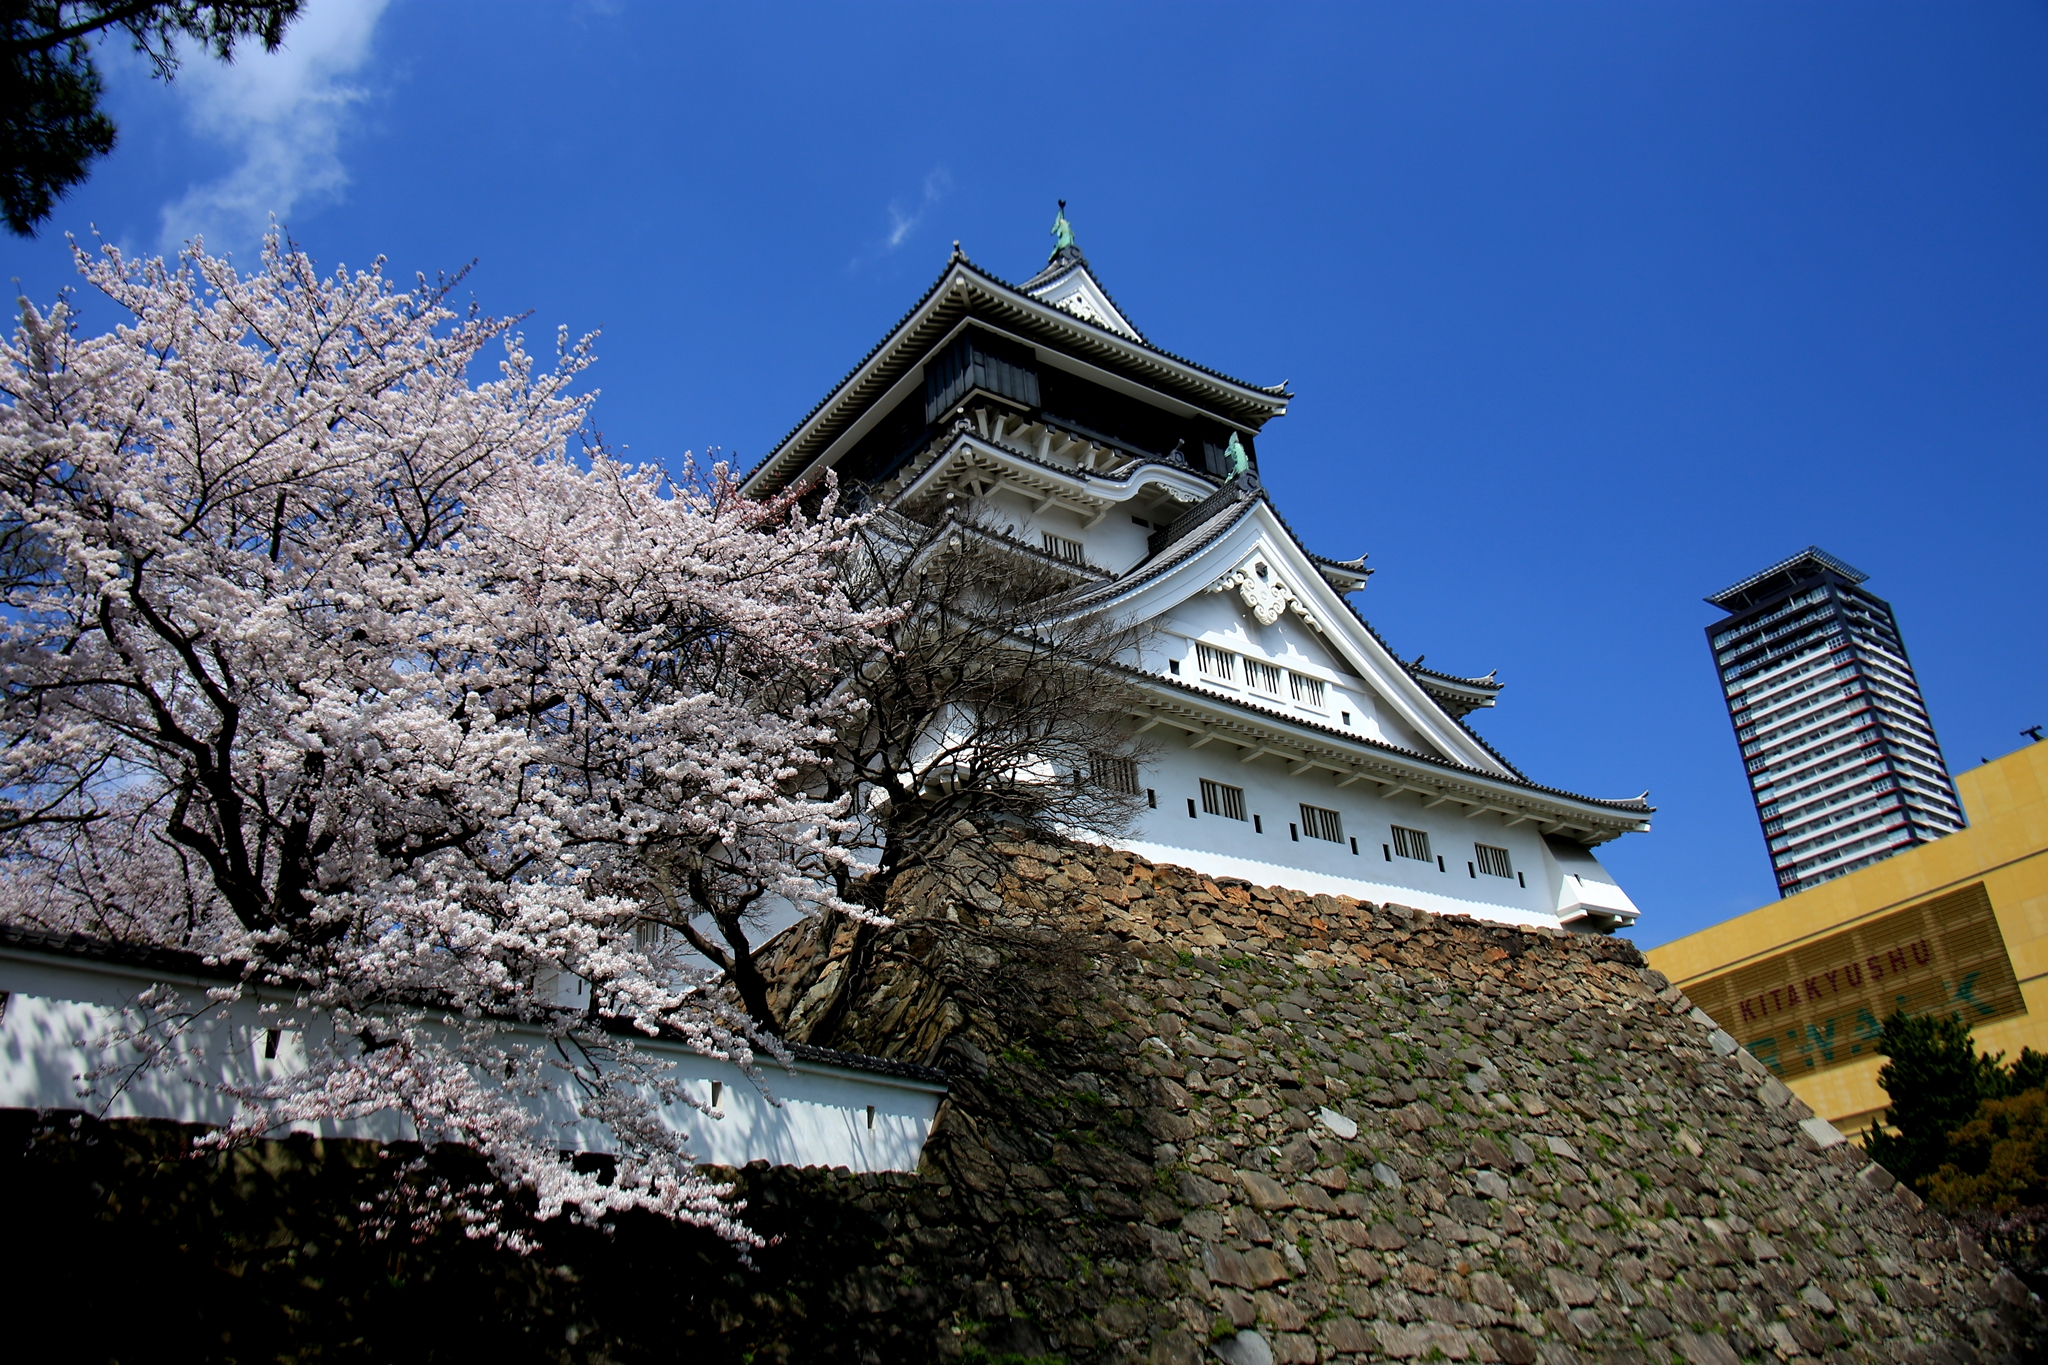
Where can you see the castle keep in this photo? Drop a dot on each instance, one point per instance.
(1292, 743)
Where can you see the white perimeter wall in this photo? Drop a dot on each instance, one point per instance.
(56, 1007)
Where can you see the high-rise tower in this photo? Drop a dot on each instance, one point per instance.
(1842, 758)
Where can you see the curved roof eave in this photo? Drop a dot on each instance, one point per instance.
(1423, 708)
(1094, 342)
(1631, 809)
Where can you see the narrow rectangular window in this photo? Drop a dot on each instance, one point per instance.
(1411, 843)
(1258, 824)
(1059, 547)
(1322, 824)
(1152, 798)
(1262, 676)
(1494, 861)
(1217, 663)
(1309, 691)
(1111, 773)
(1191, 808)
(1354, 845)
(1218, 799)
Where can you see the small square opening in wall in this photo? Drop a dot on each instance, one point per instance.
(1346, 715)
(1173, 667)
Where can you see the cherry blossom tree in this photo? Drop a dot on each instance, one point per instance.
(324, 659)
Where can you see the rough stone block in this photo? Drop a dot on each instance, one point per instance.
(1224, 1265)
(1365, 1266)
(1706, 1349)
(1266, 1193)
(1821, 1134)
(1246, 1348)
(1266, 1268)
(1402, 1343)
(1573, 1291)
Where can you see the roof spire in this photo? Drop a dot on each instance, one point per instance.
(1063, 237)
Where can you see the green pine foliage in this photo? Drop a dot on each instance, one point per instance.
(1999, 1159)
(1939, 1084)
(51, 126)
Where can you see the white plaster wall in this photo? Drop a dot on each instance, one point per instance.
(57, 1009)
(1223, 847)
(1218, 620)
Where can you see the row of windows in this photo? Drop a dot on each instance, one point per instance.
(1319, 822)
(1260, 676)
(1779, 614)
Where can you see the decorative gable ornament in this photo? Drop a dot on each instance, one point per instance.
(1077, 304)
(1264, 593)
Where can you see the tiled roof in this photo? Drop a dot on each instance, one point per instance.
(1220, 524)
(1630, 805)
(1268, 393)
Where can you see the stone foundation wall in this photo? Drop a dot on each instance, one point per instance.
(1194, 1120)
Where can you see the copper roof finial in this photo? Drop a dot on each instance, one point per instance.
(1062, 234)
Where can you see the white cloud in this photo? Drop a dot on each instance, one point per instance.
(903, 222)
(284, 112)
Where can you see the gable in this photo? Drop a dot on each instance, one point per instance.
(1079, 293)
(1259, 621)
(1295, 589)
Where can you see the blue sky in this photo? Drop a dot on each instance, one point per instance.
(1592, 309)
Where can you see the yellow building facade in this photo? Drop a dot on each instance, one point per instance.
(1957, 926)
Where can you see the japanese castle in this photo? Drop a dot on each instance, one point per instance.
(1289, 744)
